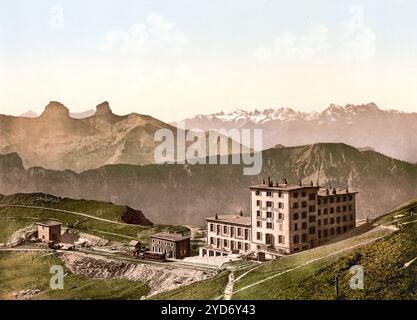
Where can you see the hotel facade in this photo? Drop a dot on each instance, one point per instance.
(284, 219)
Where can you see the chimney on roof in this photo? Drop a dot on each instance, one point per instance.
(241, 213)
(311, 183)
(216, 217)
(327, 191)
(334, 190)
(301, 183)
(263, 181)
(347, 189)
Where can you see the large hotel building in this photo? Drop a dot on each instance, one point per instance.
(284, 219)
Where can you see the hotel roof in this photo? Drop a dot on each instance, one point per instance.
(49, 223)
(232, 219)
(169, 236)
(282, 187)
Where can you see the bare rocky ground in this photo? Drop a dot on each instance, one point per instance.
(159, 279)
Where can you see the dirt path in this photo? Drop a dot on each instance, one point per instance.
(308, 262)
(228, 291)
(66, 211)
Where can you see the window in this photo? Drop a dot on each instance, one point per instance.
(319, 212)
(280, 239)
(258, 193)
(350, 198)
(332, 231)
(304, 215)
(258, 203)
(295, 226)
(258, 214)
(295, 216)
(344, 218)
(269, 215)
(211, 227)
(258, 236)
(312, 219)
(311, 208)
(225, 243)
(269, 225)
(259, 224)
(338, 209)
(319, 222)
(331, 200)
(312, 196)
(280, 216)
(211, 240)
(224, 229)
(239, 232)
(304, 226)
(325, 211)
(351, 217)
(331, 220)
(296, 239)
(319, 234)
(295, 194)
(281, 205)
(344, 198)
(304, 204)
(280, 226)
(269, 194)
(246, 246)
(304, 238)
(312, 230)
(269, 204)
(350, 208)
(303, 194)
(295, 205)
(239, 245)
(325, 221)
(338, 220)
(326, 200)
(338, 199)
(280, 195)
(331, 210)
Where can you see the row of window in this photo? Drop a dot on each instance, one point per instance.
(163, 243)
(270, 204)
(269, 238)
(268, 193)
(229, 244)
(336, 209)
(269, 215)
(335, 199)
(232, 231)
(333, 231)
(338, 220)
(269, 225)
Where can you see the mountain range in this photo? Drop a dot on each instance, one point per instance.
(187, 194)
(55, 140)
(390, 132)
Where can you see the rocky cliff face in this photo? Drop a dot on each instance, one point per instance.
(186, 194)
(55, 140)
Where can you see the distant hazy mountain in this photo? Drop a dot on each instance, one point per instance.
(82, 115)
(186, 194)
(29, 114)
(75, 115)
(390, 132)
(55, 140)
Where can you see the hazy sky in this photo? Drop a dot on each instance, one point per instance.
(173, 59)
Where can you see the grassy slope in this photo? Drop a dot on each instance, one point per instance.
(383, 261)
(12, 218)
(21, 271)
